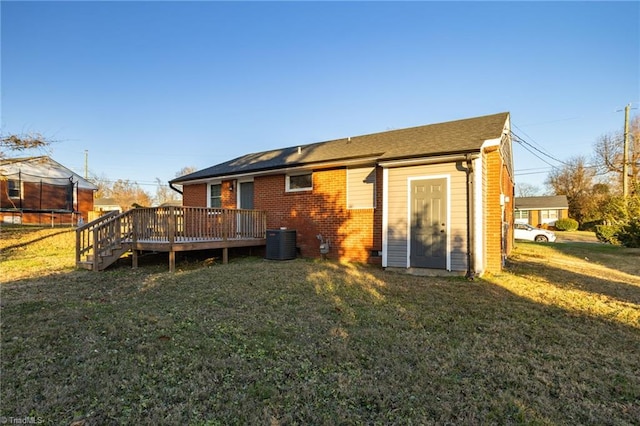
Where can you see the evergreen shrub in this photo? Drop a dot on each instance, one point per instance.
(566, 224)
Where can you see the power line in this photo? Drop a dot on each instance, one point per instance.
(525, 133)
(526, 144)
(532, 173)
(140, 183)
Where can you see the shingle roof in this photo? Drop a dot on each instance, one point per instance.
(452, 137)
(545, 202)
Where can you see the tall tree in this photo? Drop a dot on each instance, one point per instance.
(129, 194)
(608, 155)
(575, 180)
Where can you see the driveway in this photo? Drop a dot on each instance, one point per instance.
(576, 237)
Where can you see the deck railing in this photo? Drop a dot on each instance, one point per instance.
(168, 225)
(185, 224)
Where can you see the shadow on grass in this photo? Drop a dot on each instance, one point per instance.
(583, 267)
(624, 291)
(34, 240)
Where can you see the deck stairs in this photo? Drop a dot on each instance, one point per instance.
(102, 242)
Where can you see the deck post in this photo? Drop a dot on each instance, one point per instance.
(225, 256)
(96, 249)
(78, 240)
(134, 258)
(172, 261)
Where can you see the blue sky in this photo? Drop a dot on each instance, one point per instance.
(151, 87)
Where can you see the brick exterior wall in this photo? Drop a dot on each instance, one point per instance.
(498, 219)
(194, 195)
(85, 203)
(353, 234)
(229, 198)
(322, 211)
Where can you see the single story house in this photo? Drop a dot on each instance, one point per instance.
(39, 190)
(541, 211)
(438, 196)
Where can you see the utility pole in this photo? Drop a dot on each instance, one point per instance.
(86, 164)
(625, 154)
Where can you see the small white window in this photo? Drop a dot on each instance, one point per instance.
(14, 188)
(302, 182)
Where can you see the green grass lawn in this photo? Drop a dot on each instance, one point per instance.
(555, 339)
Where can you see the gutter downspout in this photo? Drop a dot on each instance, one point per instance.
(470, 258)
(174, 188)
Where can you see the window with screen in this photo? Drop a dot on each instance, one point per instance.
(215, 200)
(14, 188)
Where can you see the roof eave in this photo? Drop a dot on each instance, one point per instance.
(291, 168)
(449, 157)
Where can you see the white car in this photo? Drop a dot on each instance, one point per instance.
(522, 231)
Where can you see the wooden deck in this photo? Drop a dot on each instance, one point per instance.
(167, 229)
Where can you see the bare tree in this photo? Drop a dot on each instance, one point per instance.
(527, 190)
(185, 171)
(12, 143)
(104, 185)
(165, 194)
(575, 180)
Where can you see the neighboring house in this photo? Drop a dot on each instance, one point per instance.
(438, 196)
(102, 206)
(539, 211)
(39, 190)
(106, 205)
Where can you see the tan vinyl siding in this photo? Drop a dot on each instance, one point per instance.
(398, 227)
(361, 188)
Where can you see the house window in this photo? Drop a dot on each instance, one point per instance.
(547, 216)
(14, 188)
(361, 188)
(521, 216)
(300, 182)
(215, 200)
